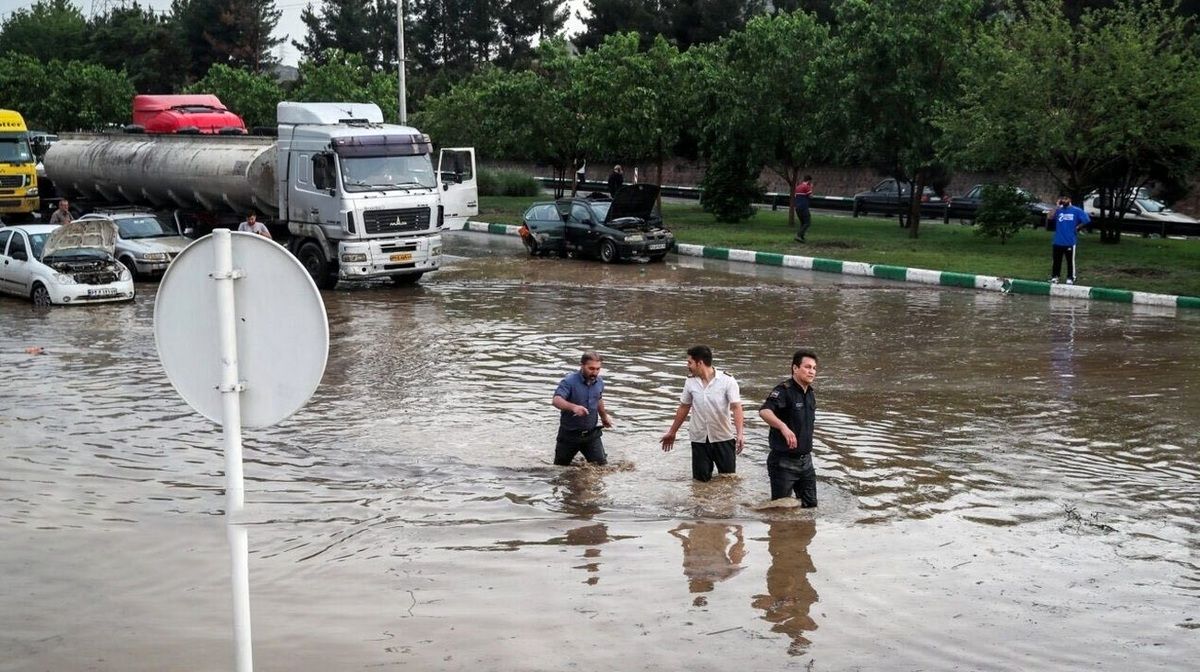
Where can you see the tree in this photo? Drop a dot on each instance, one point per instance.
(47, 30)
(521, 22)
(253, 96)
(231, 32)
(345, 25)
(1125, 107)
(772, 91)
(143, 43)
(683, 22)
(1003, 211)
(345, 77)
(900, 62)
(634, 101)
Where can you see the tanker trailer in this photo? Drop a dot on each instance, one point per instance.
(359, 199)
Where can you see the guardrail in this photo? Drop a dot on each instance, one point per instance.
(846, 204)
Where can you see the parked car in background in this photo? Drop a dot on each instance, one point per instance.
(1142, 208)
(67, 264)
(146, 242)
(886, 198)
(964, 207)
(622, 228)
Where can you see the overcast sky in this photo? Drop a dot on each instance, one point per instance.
(290, 26)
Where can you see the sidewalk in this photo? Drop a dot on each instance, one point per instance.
(944, 278)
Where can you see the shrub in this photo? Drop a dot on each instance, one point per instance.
(1003, 211)
(507, 183)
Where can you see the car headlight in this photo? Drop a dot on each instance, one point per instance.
(435, 250)
(32, 191)
(354, 257)
(155, 256)
(634, 238)
(64, 279)
(125, 274)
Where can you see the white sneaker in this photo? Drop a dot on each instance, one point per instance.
(1054, 281)
(1070, 281)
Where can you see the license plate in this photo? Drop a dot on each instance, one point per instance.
(102, 291)
(402, 256)
(658, 246)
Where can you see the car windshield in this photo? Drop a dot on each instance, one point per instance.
(601, 209)
(14, 148)
(374, 173)
(1151, 205)
(144, 227)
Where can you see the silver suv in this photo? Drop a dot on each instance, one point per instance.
(146, 242)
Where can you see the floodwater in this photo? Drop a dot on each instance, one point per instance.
(1006, 483)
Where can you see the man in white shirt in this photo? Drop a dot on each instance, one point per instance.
(716, 429)
(252, 225)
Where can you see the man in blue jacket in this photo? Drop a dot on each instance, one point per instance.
(1068, 220)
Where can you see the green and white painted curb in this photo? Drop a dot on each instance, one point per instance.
(943, 278)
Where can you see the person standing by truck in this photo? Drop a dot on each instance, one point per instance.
(580, 398)
(252, 225)
(62, 215)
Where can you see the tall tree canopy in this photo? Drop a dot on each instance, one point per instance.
(46, 30)
(232, 32)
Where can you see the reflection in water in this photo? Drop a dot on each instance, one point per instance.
(789, 593)
(708, 554)
(592, 536)
(1062, 355)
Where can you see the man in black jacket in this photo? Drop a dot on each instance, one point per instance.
(790, 410)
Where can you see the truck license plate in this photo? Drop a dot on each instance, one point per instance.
(402, 256)
(658, 246)
(102, 291)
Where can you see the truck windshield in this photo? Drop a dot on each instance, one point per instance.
(376, 173)
(14, 148)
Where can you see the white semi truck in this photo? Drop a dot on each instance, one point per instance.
(357, 198)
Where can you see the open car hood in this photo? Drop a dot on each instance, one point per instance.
(97, 234)
(633, 200)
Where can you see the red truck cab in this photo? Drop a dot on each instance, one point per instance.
(190, 113)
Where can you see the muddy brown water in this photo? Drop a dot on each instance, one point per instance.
(1006, 482)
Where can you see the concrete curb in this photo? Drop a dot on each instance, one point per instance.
(943, 278)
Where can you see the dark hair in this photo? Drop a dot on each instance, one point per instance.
(701, 353)
(799, 355)
(590, 357)
(251, 214)
(808, 178)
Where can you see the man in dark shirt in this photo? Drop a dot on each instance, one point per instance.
(790, 410)
(615, 180)
(580, 399)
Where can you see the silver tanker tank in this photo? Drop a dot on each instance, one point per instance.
(208, 172)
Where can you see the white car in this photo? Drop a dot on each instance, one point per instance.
(146, 243)
(66, 264)
(1142, 208)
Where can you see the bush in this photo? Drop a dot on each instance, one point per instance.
(507, 183)
(1003, 211)
(730, 187)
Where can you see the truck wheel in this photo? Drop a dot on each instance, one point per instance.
(40, 296)
(407, 280)
(312, 258)
(608, 251)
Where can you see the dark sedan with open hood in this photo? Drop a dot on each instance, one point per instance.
(624, 227)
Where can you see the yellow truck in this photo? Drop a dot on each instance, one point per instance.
(18, 169)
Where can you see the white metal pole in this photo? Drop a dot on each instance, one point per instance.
(400, 59)
(231, 423)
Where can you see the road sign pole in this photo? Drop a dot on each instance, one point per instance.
(231, 423)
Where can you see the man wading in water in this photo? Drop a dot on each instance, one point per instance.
(580, 398)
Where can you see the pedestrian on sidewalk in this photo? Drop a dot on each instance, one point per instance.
(1068, 220)
(802, 197)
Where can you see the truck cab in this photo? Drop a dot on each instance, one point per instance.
(18, 169)
(362, 198)
(185, 113)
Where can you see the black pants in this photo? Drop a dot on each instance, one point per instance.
(805, 220)
(1061, 252)
(792, 474)
(570, 442)
(722, 454)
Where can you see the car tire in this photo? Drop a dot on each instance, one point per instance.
(40, 296)
(608, 251)
(312, 258)
(128, 263)
(857, 210)
(532, 246)
(407, 280)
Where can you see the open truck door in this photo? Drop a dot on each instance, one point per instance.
(460, 188)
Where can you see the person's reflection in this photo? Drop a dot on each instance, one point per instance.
(1062, 356)
(789, 594)
(592, 536)
(708, 554)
